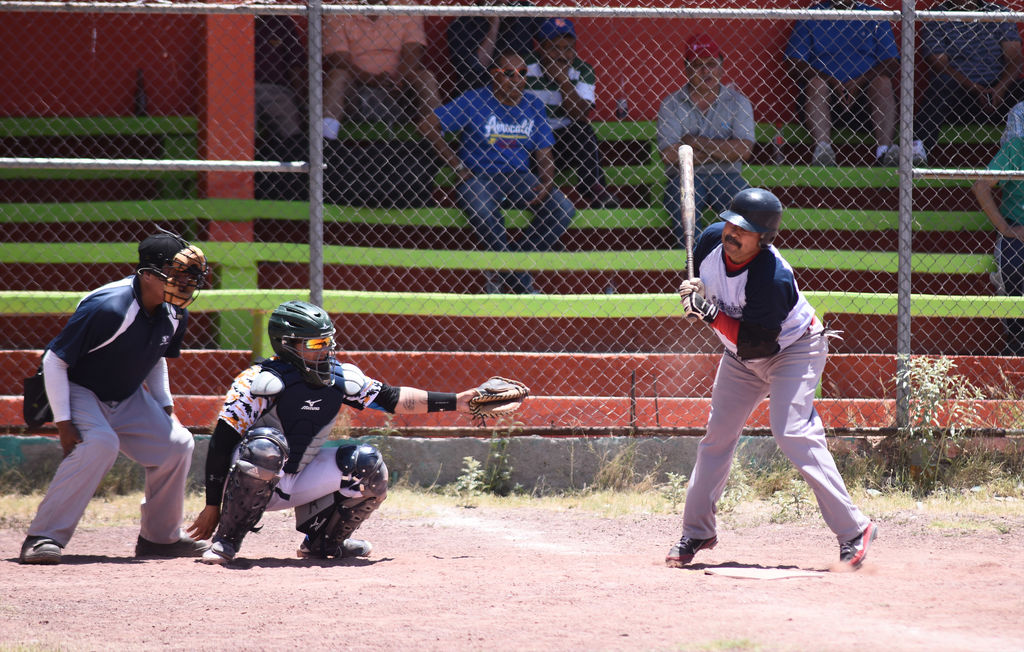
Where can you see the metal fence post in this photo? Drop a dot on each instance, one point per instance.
(906, 197)
(316, 152)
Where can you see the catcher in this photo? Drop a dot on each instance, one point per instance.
(267, 453)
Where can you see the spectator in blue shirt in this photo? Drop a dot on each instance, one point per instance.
(473, 41)
(838, 61)
(502, 132)
(974, 71)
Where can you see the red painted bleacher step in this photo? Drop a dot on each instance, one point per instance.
(585, 391)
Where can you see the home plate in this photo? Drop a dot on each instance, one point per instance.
(761, 573)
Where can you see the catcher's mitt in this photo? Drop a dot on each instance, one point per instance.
(498, 396)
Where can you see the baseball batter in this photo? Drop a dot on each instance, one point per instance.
(94, 370)
(267, 453)
(774, 347)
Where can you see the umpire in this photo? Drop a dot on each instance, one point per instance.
(94, 370)
(774, 347)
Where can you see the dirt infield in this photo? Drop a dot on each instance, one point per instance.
(527, 579)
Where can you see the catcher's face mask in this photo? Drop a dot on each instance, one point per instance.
(313, 357)
(184, 276)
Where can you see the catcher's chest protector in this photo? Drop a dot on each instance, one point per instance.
(304, 414)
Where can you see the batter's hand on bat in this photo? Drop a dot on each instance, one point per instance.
(690, 286)
(696, 306)
(205, 523)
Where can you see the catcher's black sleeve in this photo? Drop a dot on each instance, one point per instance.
(387, 398)
(218, 460)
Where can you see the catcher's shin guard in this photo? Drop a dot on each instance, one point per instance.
(250, 483)
(327, 522)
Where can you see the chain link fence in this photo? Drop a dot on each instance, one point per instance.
(117, 119)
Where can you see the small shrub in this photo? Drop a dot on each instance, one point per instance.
(470, 483)
(619, 473)
(674, 491)
(498, 470)
(774, 475)
(942, 410)
(738, 489)
(793, 503)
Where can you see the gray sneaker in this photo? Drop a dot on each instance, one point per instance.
(185, 546)
(221, 552)
(40, 550)
(824, 155)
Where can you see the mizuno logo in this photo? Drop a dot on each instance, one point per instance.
(165, 340)
(312, 405)
(317, 523)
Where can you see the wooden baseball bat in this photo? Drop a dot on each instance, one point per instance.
(687, 196)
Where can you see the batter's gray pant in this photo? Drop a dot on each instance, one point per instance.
(140, 429)
(789, 378)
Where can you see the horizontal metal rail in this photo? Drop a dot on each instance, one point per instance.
(144, 164)
(969, 174)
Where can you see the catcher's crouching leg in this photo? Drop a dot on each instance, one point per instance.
(249, 487)
(329, 522)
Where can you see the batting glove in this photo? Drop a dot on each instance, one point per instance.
(691, 286)
(696, 306)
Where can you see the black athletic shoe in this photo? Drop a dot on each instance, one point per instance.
(348, 548)
(682, 553)
(854, 551)
(185, 546)
(40, 550)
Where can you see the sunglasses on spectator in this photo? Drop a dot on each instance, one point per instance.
(513, 72)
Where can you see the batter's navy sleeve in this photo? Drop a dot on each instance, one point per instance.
(771, 292)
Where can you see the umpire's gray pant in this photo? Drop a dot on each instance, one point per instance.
(139, 428)
(789, 378)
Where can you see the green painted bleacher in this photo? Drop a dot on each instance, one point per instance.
(243, 210)
(246, 255)
(543, 306)
(243, 258)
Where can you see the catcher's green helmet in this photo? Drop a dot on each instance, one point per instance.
(298, 327)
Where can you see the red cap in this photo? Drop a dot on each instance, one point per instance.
(700, 47)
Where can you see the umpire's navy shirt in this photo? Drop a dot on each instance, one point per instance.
(110, 344)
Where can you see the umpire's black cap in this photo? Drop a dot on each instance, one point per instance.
(159, 249)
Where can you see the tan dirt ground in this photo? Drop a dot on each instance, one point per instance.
(526, 579)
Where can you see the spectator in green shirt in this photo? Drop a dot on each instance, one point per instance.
(566, 84)
(1008, 219)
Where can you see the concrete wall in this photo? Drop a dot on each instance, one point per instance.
(540, 463)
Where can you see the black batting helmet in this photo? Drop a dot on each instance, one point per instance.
(757, 210)
(297, 326)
